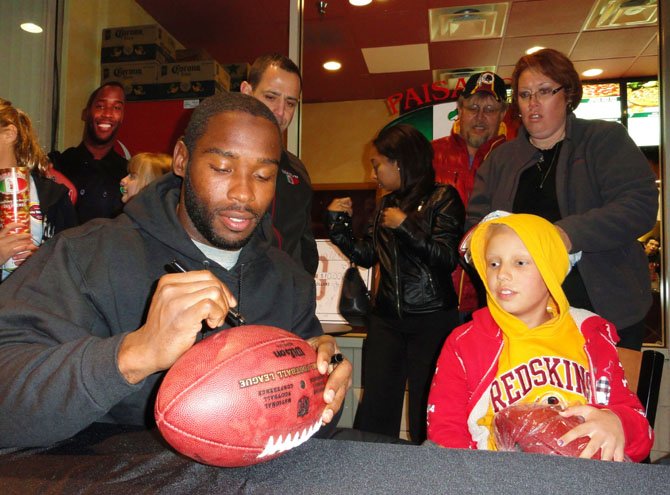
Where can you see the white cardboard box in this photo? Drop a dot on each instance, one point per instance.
(328, 279)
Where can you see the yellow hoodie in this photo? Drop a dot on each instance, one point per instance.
(543, 364)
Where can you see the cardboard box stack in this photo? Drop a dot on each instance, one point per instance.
(143, 59)
(137, 44)
(139, 79)
(195, 79)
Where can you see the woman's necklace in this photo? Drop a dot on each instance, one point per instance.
(540, 162)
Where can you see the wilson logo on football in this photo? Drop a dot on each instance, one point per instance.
(293, 352)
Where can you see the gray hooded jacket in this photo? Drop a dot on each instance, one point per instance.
(64, 313)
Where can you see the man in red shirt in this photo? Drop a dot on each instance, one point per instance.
(481, 107)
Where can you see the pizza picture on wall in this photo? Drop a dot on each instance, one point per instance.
(601, 90)
(644, 95)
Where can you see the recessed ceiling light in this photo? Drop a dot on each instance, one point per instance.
(360, 3)
(31, 28)
(534, 49)
(332, 65)
(592, 72)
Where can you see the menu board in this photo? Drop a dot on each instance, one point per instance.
(644, 116)
(600, 101)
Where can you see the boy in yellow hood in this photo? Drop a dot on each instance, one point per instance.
(528, 345)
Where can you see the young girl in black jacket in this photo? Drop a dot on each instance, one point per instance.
(413, 238)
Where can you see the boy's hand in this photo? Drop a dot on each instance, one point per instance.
(603, 427)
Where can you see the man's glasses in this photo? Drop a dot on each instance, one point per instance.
(488, 110)
(541, 94)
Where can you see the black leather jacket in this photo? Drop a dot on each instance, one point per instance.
(415, 259)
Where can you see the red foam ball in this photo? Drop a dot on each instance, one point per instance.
(241, 396)
(536, 428)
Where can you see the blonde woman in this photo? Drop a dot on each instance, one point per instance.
(143, 168)
(50, 207)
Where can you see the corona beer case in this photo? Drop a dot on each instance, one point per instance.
(139, 79)
(192, 79)
(137, 43)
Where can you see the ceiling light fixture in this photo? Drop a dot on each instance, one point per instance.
(332, 65)
(626, 4)
(466, 23)
(534, 49)
(592, 72)
(360, 3)
(608, 14)
(465, 15)
(31, 28)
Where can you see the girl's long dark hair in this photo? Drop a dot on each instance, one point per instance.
(413, 154)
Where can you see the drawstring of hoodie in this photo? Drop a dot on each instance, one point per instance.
(239, 289)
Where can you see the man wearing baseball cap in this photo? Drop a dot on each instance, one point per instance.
(478, 130)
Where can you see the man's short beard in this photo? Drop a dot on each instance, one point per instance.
(475, 141)
(202, 220)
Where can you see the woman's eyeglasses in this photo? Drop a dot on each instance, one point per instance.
(541, 94)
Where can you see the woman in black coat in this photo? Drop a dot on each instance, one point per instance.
(413, 238)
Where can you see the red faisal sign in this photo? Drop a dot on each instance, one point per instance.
(425, 95)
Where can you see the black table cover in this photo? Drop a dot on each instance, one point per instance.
(110, 460)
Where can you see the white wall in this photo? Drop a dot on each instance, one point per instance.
(26, 60)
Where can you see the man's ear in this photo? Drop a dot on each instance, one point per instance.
(246, 88)
(180, 159)
(83, 114)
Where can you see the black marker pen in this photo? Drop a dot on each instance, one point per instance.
(234, 318)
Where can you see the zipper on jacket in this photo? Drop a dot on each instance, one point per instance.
(430, 281)
(397, 279)
(239, 289)
(395, 256)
